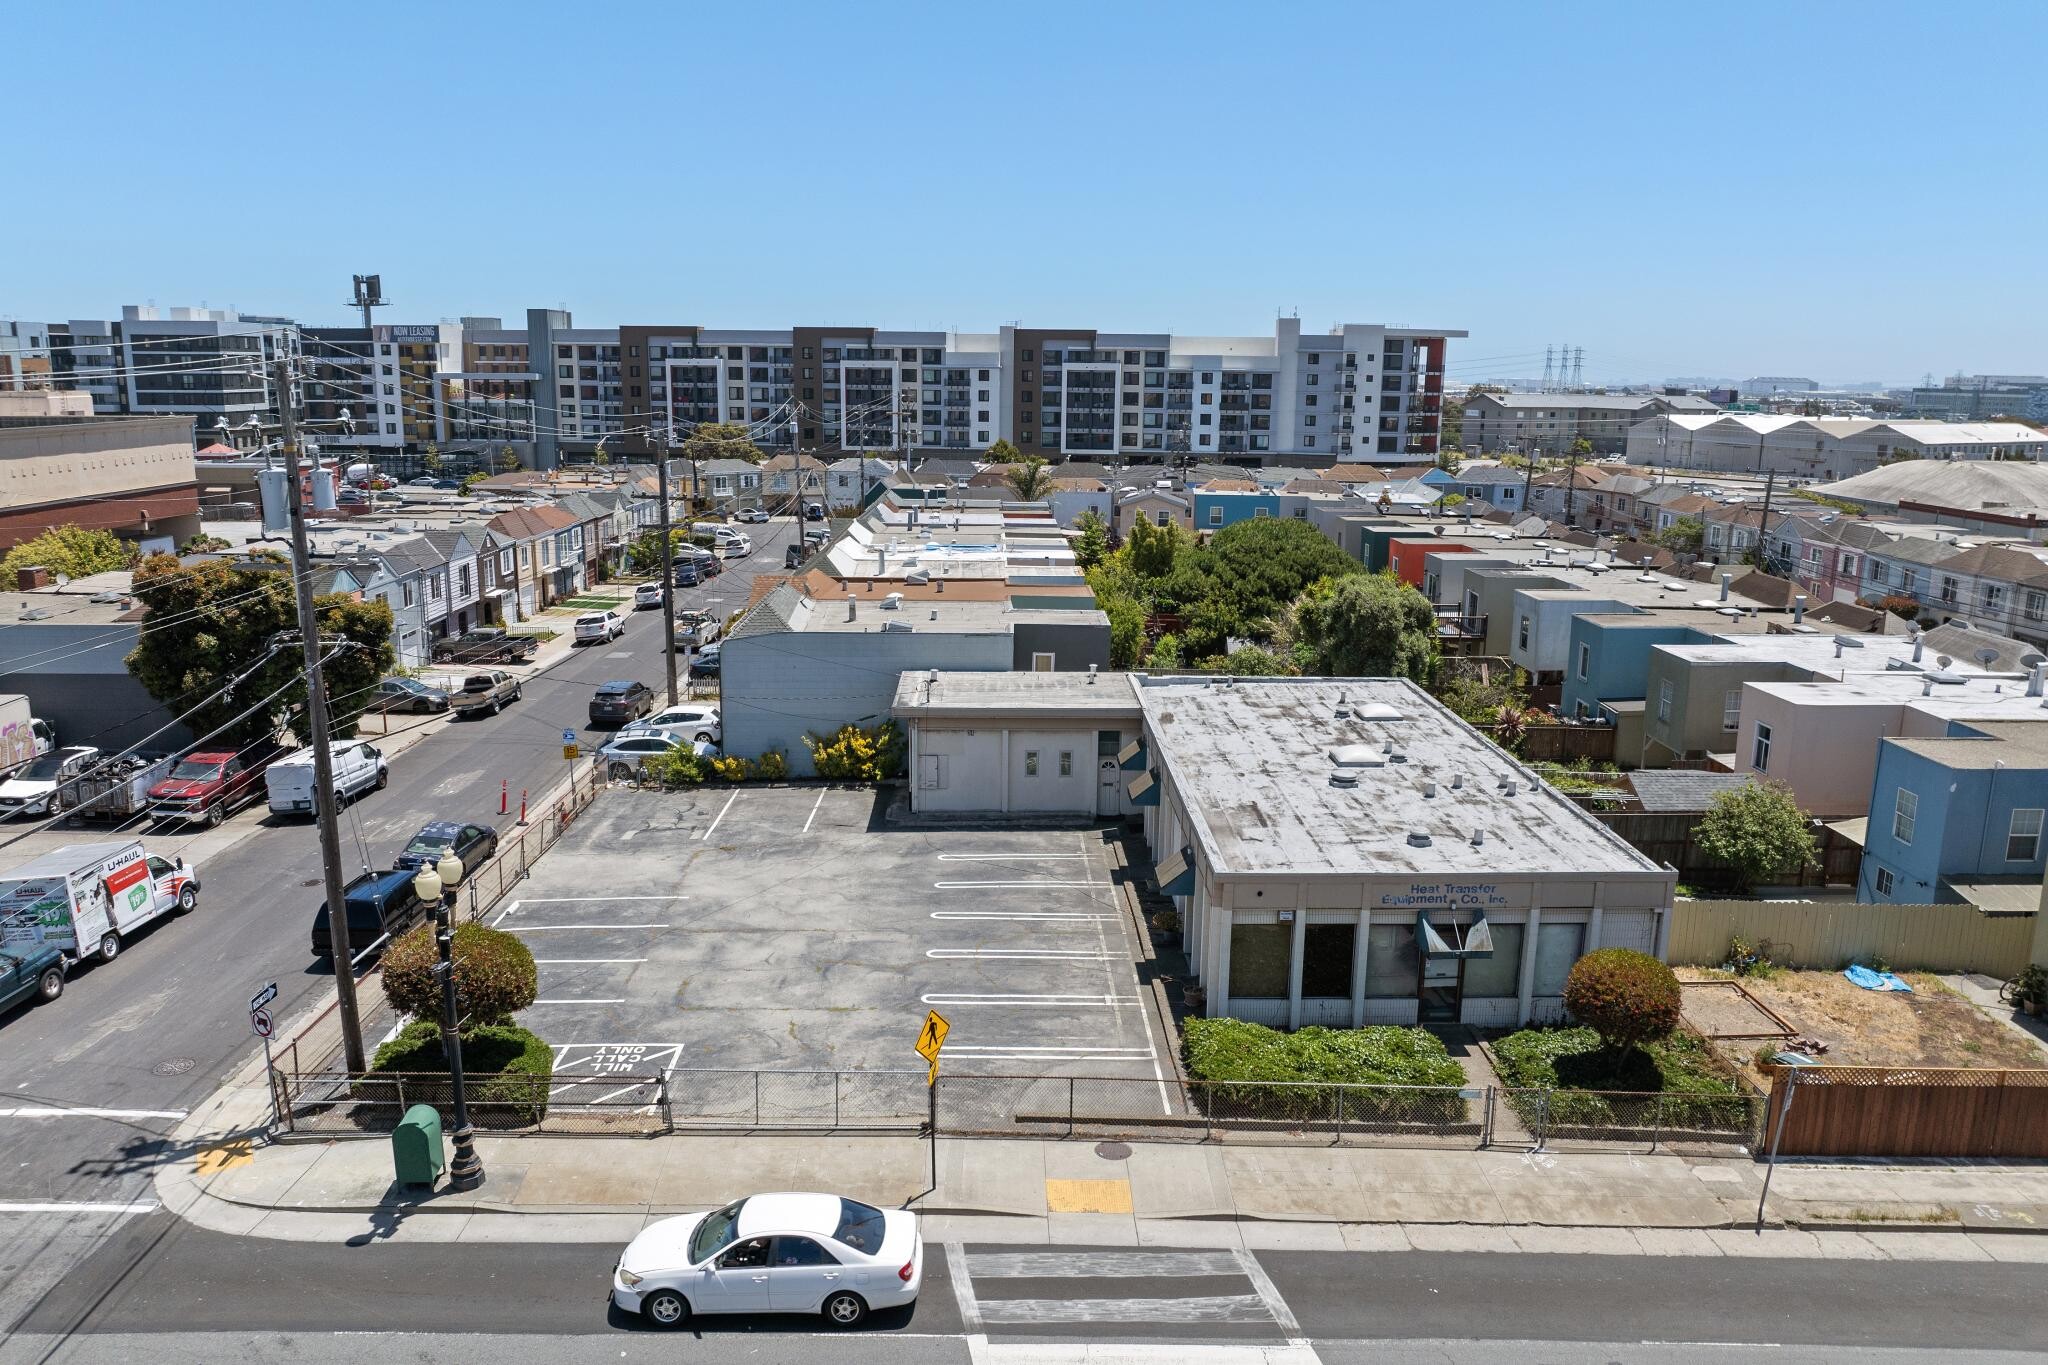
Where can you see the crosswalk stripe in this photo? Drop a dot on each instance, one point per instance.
(1208, 1308)
(1095, 1264)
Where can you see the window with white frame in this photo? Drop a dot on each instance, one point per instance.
(1522, 634)
(1215, 514)
(1585, 660)
(1664, 700)
(1884, 881)
(1731, 709)
(1905, 815)
(2023, 836)
(1760, 750)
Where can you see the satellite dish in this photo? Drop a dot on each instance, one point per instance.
(2033, 659)
(1942, 661)
(1987, 656)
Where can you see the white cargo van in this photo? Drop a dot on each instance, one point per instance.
(82, 898)
(728, 540)
(358, 767)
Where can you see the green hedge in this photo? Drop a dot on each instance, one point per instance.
(519, 1065)
(1234, 1066)
(1693, 1086)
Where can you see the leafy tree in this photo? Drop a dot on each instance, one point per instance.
(430, 459)
(1029, 479)
(1626, 997)
(1165, 653)
(202, 543)
(1251, 661)
(1581, 449)
(494, 975)
(1126, 614)
(1266, 562)
(508, 460)
(1452, 425)
(1685, 536)
(1372, 626)
(72, 551)
(1758, 830)
(1002, 452)
(1150, 550)
(1481, 701)
(722, 441)
(471, 480)
(1091, 543)
(601, 457)
(217, 619)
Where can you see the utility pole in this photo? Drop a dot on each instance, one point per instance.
(1571, 487)
(668, 567)
(316, 712)
(1763, 519)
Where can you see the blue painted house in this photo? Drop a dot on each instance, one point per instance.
(1966, 806)
(1225, 502)
(1607, 657)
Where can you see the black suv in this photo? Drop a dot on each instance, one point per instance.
(381, 905)
(615, 703)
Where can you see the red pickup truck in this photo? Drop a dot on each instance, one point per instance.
(209, 786)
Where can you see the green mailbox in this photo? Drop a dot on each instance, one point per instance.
(416, 1146)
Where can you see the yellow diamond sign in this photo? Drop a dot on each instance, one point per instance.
(931, 1039)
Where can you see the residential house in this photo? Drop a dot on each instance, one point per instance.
(1070, 497)
(545, 555)
(430, 572)
(594, 527)
(465, 585)
(790, 479)
(2001, 588)
(849, 481)
(1494, 484)
(1906, 568)
(1954, 809)
(1160, 506)
(1224, 502)
(726, 484)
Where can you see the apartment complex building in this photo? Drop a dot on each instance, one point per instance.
(1548, 423)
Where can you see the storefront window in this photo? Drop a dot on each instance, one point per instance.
(1492, 978)
(1558, 946)
(1258, 960)
(1326, 954)
(1392, 966)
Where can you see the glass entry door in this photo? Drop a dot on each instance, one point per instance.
(1441, 979)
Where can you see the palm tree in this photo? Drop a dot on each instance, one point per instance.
(1029, 480)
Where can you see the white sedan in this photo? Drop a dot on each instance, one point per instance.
(687, 721)
(751, 515)
(773, 1253)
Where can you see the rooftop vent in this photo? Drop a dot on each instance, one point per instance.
(1354, 756)
(896, 627)
(1419, 839)
(1478, 837)
(892, 601)
(1508, 786)
(1457, 782)
(1343, 777)
(1377, 711)
(1429, 787)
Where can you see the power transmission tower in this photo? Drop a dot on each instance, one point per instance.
(324, 793)
(1579, 368)
(1547, 353)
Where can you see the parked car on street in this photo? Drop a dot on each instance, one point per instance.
(40, 788)
(408, 694)
(707, 563)
(599, 627)
(381, 905)
(619, 701)
(210, 785)
(696, 628)
(474, 844)
(357, 767)
(424, 481)
(647, 595)
(773, 1253)
(686, 575)
(30, 971)
(814, 511)
(705, 662)
(792, 556)
(625, 753)
(486, 694)
(753, 516)
(492, 645)
(690, 720)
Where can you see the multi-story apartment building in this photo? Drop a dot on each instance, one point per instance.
(209, 364)
(384, 377)
(1977, 397)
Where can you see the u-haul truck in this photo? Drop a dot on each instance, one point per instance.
(82, 898)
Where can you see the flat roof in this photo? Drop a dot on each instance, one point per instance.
(921, 694)
(1818, 653)
(786, 610)
(2016, 743)
(1252, 760)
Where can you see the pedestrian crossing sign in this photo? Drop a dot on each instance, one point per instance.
(930, 1040)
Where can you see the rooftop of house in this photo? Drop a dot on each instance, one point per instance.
(1838, 655)
(69, 605)
(1256, 763)
(1680, 789)
(938, 693)
(1965, 696)
(1604, 402)
(2021, 744)
(785, 610)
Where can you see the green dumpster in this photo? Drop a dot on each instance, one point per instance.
(416, 1146)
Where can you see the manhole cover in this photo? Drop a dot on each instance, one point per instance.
(175, 1066)
(310, 881)
(1113, 1151)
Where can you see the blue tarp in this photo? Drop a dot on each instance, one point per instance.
(1875, 981)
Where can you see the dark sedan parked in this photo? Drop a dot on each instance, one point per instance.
(615, 703)
(474, 844)
(404, 694)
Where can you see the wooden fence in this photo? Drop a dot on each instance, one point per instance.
(1911, 1112)
(1560, 743)
(1828, 934)
(1667, 837)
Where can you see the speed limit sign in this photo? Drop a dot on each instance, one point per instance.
(259, 1022)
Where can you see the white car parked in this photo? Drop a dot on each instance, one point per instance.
(680, 722)
(630, 748)
(599, 627)
(773, 1253)
(646, 595)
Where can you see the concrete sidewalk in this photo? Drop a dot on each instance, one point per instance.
(227, 1176)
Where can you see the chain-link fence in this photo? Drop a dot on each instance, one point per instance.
(500, 1104)
(1607, 1118)
(869, 1101)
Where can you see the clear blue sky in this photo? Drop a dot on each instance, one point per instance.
(1848, 191)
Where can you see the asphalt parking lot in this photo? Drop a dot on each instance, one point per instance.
(786, 928)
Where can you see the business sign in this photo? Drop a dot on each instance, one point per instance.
(1443, 896)
(130, 885)
(415, 332)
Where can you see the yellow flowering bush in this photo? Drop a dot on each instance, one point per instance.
(852, 754)
(732, 768)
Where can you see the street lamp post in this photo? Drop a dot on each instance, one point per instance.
(436, 885)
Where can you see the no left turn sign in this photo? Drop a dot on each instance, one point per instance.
(259, 1022)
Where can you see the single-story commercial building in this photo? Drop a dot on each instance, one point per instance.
(1006, 743)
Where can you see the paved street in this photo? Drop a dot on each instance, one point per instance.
(135, 1043)
(175, 1292)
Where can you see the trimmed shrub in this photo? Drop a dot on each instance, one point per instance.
(494, 974)
(1692, 1086)
(507, 1070)
(851, 754)
(1625, 996)
(772, 766)
(732, 768)
(1237, 1066)
(676, 768)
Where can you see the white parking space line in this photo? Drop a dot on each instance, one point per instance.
(619, 1001)
(537, 928)
(44, 1111)
(578, 900)
(1012, 857)
(814, 809)
(1011, 886)
(1043, 1001)
(1018, 954)
(1055, 1265)
(581, 961)
(148, 1206)
(706, 835)
(998, 915)
(506, 911)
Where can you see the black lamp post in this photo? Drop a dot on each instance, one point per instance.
(436, 885)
